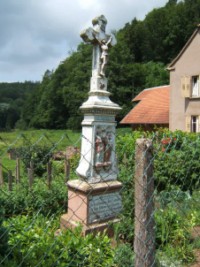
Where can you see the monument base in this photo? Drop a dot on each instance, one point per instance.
(93, 206)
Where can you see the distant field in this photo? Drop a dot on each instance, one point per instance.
(56, 139)
(59, 138)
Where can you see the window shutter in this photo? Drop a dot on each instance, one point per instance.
(188, 124)
(183, 86)
(188, 86)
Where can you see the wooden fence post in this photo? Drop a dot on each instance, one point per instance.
(49, 174)
(10, 180)
(1, 174)
(31, 174)
(18, 170)
(144, 240)
(67, 169)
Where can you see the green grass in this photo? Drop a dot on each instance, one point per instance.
(54, 139)
(196, 243)
(60, 139)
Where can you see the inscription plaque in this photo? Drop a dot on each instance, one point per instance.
(103, 207)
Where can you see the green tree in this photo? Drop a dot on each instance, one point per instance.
(12, 98)
(138, 61)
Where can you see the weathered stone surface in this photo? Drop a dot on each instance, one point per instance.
(104, 207)
(92, 205)
(85, 187)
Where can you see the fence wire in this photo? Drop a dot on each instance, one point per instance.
(44, 219)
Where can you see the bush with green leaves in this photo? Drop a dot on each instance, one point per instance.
(124, 256)
(176, 161)
(39, 156)
(176, 170)
(173, 233)
(32, 242)
(3, 234)
(23, 200)
(125, 151)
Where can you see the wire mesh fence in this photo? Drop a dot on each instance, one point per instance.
(153, 221)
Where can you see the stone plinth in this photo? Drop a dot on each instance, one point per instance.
(92, 206)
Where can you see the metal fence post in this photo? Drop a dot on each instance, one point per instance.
(144, 240)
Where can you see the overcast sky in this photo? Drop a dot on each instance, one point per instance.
(35, 35)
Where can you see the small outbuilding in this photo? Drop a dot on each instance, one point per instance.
(151, 109)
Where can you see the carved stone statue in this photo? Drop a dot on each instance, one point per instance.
(98, 161)
(103, 149)
(101, 44)
(99, 150)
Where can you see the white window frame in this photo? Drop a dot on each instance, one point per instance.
(195, 86)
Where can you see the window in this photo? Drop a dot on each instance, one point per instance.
(194, 124)
(195, 86)
(190, 86)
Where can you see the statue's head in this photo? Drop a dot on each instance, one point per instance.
(100, 23)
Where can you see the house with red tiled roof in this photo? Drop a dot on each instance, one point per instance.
(151, 109)
(176, 106)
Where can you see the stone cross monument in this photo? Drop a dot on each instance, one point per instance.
(101, 43)
(94, 199)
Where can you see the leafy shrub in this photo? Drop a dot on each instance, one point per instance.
(40, 198)
(38, 155)
(163, 260)
(125, 151)
(32, 242)
(176, 169)
(173, 234)
(74, 161)
(177, 163)
(124, 256)
(58, 167)
(3, 234)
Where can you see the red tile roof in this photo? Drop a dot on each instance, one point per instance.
(152, 107)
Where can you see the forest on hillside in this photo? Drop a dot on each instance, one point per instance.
(12, 98)
(138, 61)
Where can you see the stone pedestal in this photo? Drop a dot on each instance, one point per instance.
(92, 206)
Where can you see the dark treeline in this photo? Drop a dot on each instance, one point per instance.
(138, 61)
(12, 99)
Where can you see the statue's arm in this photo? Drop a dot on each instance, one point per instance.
(113, 40)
